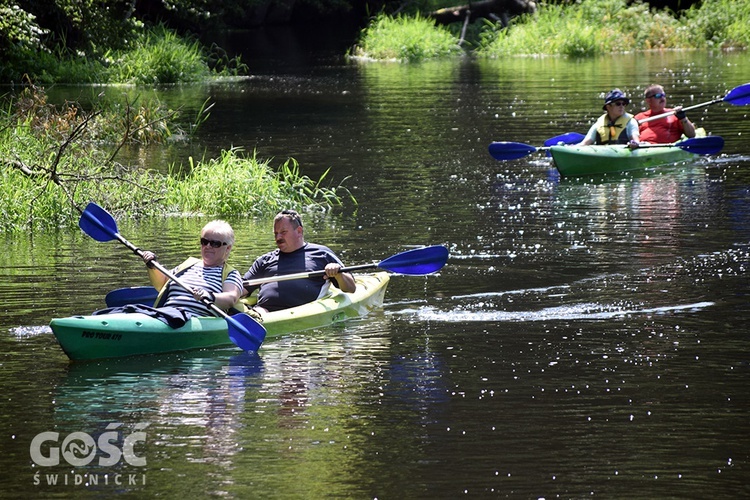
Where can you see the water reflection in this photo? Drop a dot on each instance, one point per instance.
(583, 331)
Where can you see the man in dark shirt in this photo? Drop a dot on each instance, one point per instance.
(294, 255)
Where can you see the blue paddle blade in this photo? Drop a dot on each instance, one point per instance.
(564, 139)
(739, 96)
(702, 145)
(97, 223)
(568, 138)
(145, 295)
(510, 150)
(417, 262)
(245, 332)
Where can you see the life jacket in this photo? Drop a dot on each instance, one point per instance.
(612, 133)
(190, 262)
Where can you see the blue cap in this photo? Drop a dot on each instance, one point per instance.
(615, 95)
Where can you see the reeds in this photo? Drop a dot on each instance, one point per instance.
(576, 29)
(403, 38)
(159, 57)
(54, 160)
(238, 183)
(156, 56)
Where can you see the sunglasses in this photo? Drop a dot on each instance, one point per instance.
(656, 96)
(618, 103)
(213, 243)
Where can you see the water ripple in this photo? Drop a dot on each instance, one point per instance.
(588, 311)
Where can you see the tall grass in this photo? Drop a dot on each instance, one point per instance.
(590, 28)
(233, 184)
(53, 162)
(159, 57)
(577, 29)
(594, 27)
(405, 38)
(237, 183)
(722, 24)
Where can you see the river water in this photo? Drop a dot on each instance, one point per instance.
(587, 338)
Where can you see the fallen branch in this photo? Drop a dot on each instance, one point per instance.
(488, 9)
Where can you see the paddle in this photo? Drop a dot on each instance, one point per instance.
(145, 295)
(419, 261)
(515, 150)
(697, 145)
(244, 331)
(567, 138)
(512, 150)
(403, 263)
(738, 96)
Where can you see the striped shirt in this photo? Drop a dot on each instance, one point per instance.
(198, 276)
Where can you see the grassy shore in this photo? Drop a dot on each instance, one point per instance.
(54, 160)
(581, 29)
(155, 56)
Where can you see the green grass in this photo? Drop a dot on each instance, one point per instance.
(237, 183)
(234, 184)
(53, 161)
(405, 39)
(157, 56)
(596, 27)
(584, 28)
(723, 24)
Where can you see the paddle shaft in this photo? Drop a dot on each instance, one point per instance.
(738, 96)
(665, 145)
(311, 274)
(689, 108)
(697, 145)
(170, 275)
(419, 261)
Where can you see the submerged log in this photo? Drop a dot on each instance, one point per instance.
(495, 10)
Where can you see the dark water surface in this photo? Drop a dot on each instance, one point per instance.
(588, 337)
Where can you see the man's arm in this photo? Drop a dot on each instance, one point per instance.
(345, 281)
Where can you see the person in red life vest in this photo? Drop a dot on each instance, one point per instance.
(663, 130)
(615, 126)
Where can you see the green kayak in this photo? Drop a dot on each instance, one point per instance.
(577, 160)
(574, 161)
(117, 335)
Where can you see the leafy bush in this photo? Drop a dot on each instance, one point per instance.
(721, 23)
(19, 29)
(592, 27)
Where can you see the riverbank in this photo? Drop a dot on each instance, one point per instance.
(583, 29)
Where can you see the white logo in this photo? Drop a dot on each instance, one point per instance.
(79, 448)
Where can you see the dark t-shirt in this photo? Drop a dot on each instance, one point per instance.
(283, 294)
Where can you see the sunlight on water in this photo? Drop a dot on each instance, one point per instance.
(577, 312)
(587, 338)
(29, 331)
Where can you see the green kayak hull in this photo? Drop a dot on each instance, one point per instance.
(572, 161)
(118, 335)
